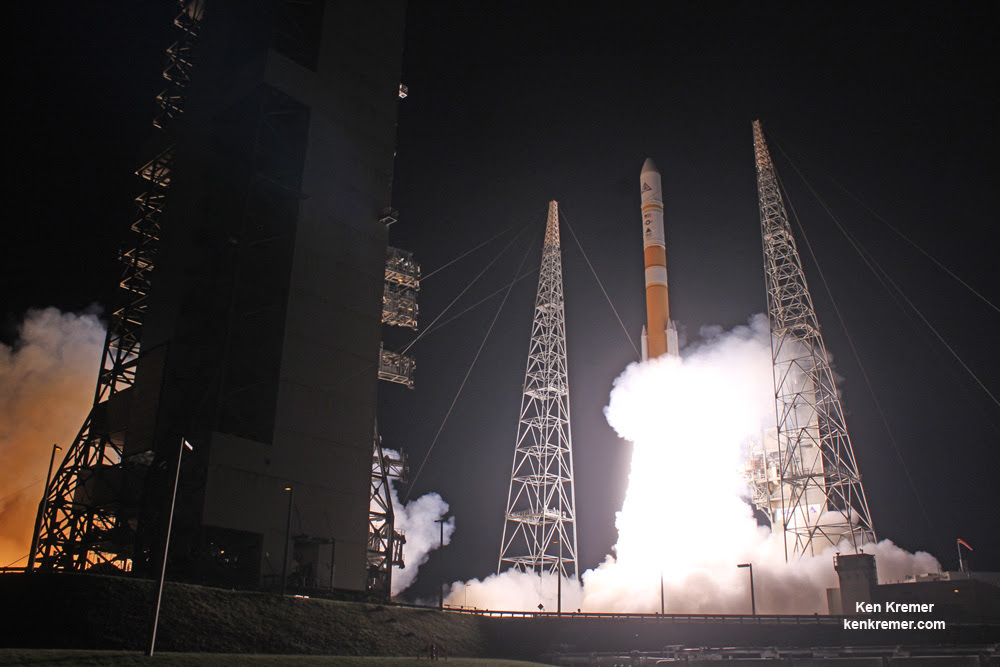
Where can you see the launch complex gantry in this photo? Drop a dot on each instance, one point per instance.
(803, 474)
(88, 518)
(399, 308)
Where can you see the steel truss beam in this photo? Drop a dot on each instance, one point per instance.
(385, 542)
(399, 308)
(83, 526)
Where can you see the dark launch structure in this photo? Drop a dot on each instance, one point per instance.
(249, 318)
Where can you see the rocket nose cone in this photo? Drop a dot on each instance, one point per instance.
(649, 165)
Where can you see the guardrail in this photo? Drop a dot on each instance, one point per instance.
(739, 619)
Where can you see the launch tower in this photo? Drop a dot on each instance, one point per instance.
(805, 477)
(81, 516)
(256, 337)
(539, 532)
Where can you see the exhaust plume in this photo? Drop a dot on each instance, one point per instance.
(47, 381)
(417, 520)
(685, 523)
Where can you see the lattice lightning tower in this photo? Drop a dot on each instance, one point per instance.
(805, 477)
(539, 532)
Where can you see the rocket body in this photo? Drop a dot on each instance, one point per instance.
(661, 335)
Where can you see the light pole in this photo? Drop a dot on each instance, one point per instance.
(166, 544)
(753, 598)
(663, 599)
(41, 511)
(288, 537)
(441, 522)
(559, 580)
(466, 603)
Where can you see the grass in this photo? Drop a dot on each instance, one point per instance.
(114, 613)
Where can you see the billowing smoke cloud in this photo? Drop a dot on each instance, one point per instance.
(47, 382)
(684, 524)
(417, 520)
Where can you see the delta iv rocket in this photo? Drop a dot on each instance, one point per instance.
(662, 334)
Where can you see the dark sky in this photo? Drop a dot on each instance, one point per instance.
(511, 106)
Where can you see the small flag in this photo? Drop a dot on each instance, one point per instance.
(964, 544)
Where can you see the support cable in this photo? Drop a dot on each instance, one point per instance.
(919, 249)
(430, 327)
(850, 339)
(891, 291)
(613, 309)
(876, 268)
(467, 253)
(413, 480)
(526, 274)
(14, 561)
(906, 238)
(23, 488)
(460, 294)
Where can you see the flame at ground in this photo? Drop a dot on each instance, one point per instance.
(684, 525)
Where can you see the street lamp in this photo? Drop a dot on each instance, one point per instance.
(663, 599)
(753, 599)
(441, 523)
(41, 510)
(466, 603)
(559, 579)
(166, 544)
(288, 537)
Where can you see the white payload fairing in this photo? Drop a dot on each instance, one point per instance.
(660, 335)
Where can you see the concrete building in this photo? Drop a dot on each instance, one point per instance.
(261, 342)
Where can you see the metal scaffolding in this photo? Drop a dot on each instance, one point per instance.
(82, 525)
(803, 474)
(402, 282)
(399, 308)
(385, 542)
(539, 532)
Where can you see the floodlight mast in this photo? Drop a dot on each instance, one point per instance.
(539, 532)
(805, 476)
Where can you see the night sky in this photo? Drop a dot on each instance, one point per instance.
(886, 109)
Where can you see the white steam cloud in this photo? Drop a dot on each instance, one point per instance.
(684, 523)
(47, 382)
(418, 521)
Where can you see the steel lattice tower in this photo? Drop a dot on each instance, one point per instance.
(808, 474)
(81, 526)
(540, 528)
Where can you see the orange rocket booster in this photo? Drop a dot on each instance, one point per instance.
(662, 334)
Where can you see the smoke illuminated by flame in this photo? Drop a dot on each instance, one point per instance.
(684, 524)
(683, 519)
(47, 382)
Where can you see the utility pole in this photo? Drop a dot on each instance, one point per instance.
(539, 532)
